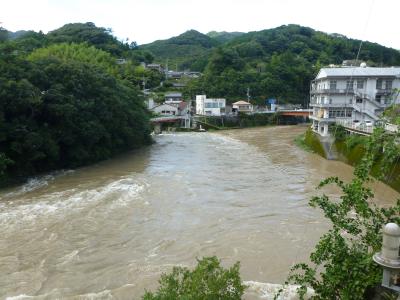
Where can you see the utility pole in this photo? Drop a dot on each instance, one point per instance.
(144, 83)
(166, 70)
(248, 94)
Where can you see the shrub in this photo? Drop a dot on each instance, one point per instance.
(207, 281)
(314, 143)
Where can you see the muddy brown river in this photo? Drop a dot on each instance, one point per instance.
(108, 231)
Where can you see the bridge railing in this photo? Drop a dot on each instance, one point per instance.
(362, 127)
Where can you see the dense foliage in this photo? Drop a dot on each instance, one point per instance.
(186, 51)
(207, 281)
(392, 113)
(275, 63)
(342, 265)
(65, 105)
(223, 36)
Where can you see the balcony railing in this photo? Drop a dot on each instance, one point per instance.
(333, 91)
(321, 119)
(384, 91)
(327, 104)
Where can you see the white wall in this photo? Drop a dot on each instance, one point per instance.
(200, 99)
(210, 106)
(166, 110)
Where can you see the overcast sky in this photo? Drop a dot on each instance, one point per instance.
(144, 21)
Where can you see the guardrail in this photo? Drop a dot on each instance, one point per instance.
(358, 127)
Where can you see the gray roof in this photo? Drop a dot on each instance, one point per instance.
(173, 95)
(358, 71)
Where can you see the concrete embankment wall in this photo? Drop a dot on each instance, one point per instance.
(351, 150)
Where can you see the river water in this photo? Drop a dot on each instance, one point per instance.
(108, 231)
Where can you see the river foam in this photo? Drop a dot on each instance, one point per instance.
(269, 290)
(62, 203)
(254, 290)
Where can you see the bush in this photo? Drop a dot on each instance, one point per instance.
(312, 141)
(339, 132)
(207, 281)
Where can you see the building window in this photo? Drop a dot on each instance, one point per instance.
(332, 85)
(349, 84)
(360, 84)
(379, 84)
(359, 100)
(378, 98)
(388, 85)
(340, 113)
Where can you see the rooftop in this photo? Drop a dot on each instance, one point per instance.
(358, 71)
(173, 95)
(241, 102)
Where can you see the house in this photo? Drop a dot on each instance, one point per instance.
(178, 85)
(352, 94)
(192, 74)
(242, 106)
(156, 67)
(165, 110)
(174, 74)
(121, 61)
(183, 108)
(173, 97)
(210, 106)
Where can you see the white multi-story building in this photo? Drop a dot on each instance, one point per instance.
(210, 106)
(352, 94)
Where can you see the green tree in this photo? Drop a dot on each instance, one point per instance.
(62, 108)
(207, 281)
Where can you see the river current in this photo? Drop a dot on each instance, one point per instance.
(108, 231)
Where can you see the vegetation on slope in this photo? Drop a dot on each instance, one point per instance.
(186, 51)
(341, 264)
(274, 63)
(65, 105)
(223, 36)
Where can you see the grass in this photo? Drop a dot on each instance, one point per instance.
(300, 141)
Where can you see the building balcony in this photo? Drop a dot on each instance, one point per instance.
(333, 91)
(322, 119)
(327, 104)
(384, 92)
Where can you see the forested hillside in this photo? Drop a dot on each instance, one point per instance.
(190, 50)
(274, 63)
(65, 102)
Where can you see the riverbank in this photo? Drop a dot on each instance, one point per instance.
(350, 150)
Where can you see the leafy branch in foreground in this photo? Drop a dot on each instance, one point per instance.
(341, 263)
(207, 281)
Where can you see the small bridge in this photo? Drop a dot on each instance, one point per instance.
(296, 112)
(170, 121)
(361, 129)
(167, 119)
